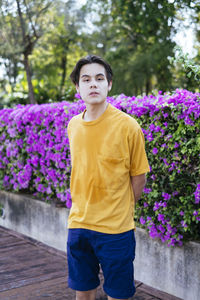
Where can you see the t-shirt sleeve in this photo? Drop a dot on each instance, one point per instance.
(69, 128)
(138, 158)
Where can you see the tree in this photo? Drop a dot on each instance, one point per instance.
(142, 43)
(22, 24)
(57, 52)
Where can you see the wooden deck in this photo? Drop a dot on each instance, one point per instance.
(30, 270)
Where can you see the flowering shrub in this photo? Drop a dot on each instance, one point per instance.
(35, 157)
(34, 150)
(169, 208)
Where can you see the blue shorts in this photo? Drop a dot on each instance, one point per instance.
(87, 250)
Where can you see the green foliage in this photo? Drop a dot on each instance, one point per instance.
(173, 148)
(141, 43)
(134, 36)
(1, 210)
(52, 58)
(188, 64)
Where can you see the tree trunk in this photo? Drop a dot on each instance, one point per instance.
(148, 84)
(28, 49)
(64, 70)
(30, 86)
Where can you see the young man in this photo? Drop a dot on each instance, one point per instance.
(108, 176)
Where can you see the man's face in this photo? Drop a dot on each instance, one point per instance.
(93, 85)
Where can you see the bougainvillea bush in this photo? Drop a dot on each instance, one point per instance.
(34, 150)
(170, 206)
(35, 157)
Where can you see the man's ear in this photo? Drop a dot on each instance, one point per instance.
(77, 88)
(110, 86)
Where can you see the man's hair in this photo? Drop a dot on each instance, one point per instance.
(90, 59)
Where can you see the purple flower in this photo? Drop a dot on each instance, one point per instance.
(169, 227)
(176, 145)
(153, 177)
(15, 186)
(147, 190)
(165, 161)
(6, 178)
(77, 95)
(155, 151)
(166, 196)
(161, 217)
(172, 242)
(183, 223)
(156, 206)
(150, 137)
(188, 121)
(152, 127)
(197, 194)
(142, 220)
(161, 228)
(165, 115)
(40, 187)
(164, 145)
(62, 165)
(12, 132)
(37, 179)
(48, 190)
(175, 193)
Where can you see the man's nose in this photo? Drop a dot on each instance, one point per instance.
(93, 83)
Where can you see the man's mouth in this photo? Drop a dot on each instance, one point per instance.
(93, 93)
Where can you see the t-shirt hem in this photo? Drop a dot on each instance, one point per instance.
(144, 171)
(101, 229)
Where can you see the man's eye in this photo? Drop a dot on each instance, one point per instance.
(100, 78)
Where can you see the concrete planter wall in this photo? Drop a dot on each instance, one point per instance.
(36, 219)
(173, 270)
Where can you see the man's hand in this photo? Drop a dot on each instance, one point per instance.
(138, 184)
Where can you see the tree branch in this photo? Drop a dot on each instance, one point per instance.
(30, 19)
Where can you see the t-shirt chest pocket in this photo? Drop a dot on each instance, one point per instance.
(110, 172)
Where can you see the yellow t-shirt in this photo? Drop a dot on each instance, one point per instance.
(104, 154)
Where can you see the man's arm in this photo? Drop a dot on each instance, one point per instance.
(138, 183)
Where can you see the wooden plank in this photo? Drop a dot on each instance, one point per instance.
(3, 233)
(27, 263)
(30, 281)
(10, 232)
(32, 271)
(140, 295)
(22, 257)
(157, 293)
(51, 289)
(9, 245)
(11, 250)
(7, 239)
(137, 283)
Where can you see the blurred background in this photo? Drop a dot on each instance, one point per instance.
(41, 40)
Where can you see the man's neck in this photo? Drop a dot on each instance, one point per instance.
(93, 112)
